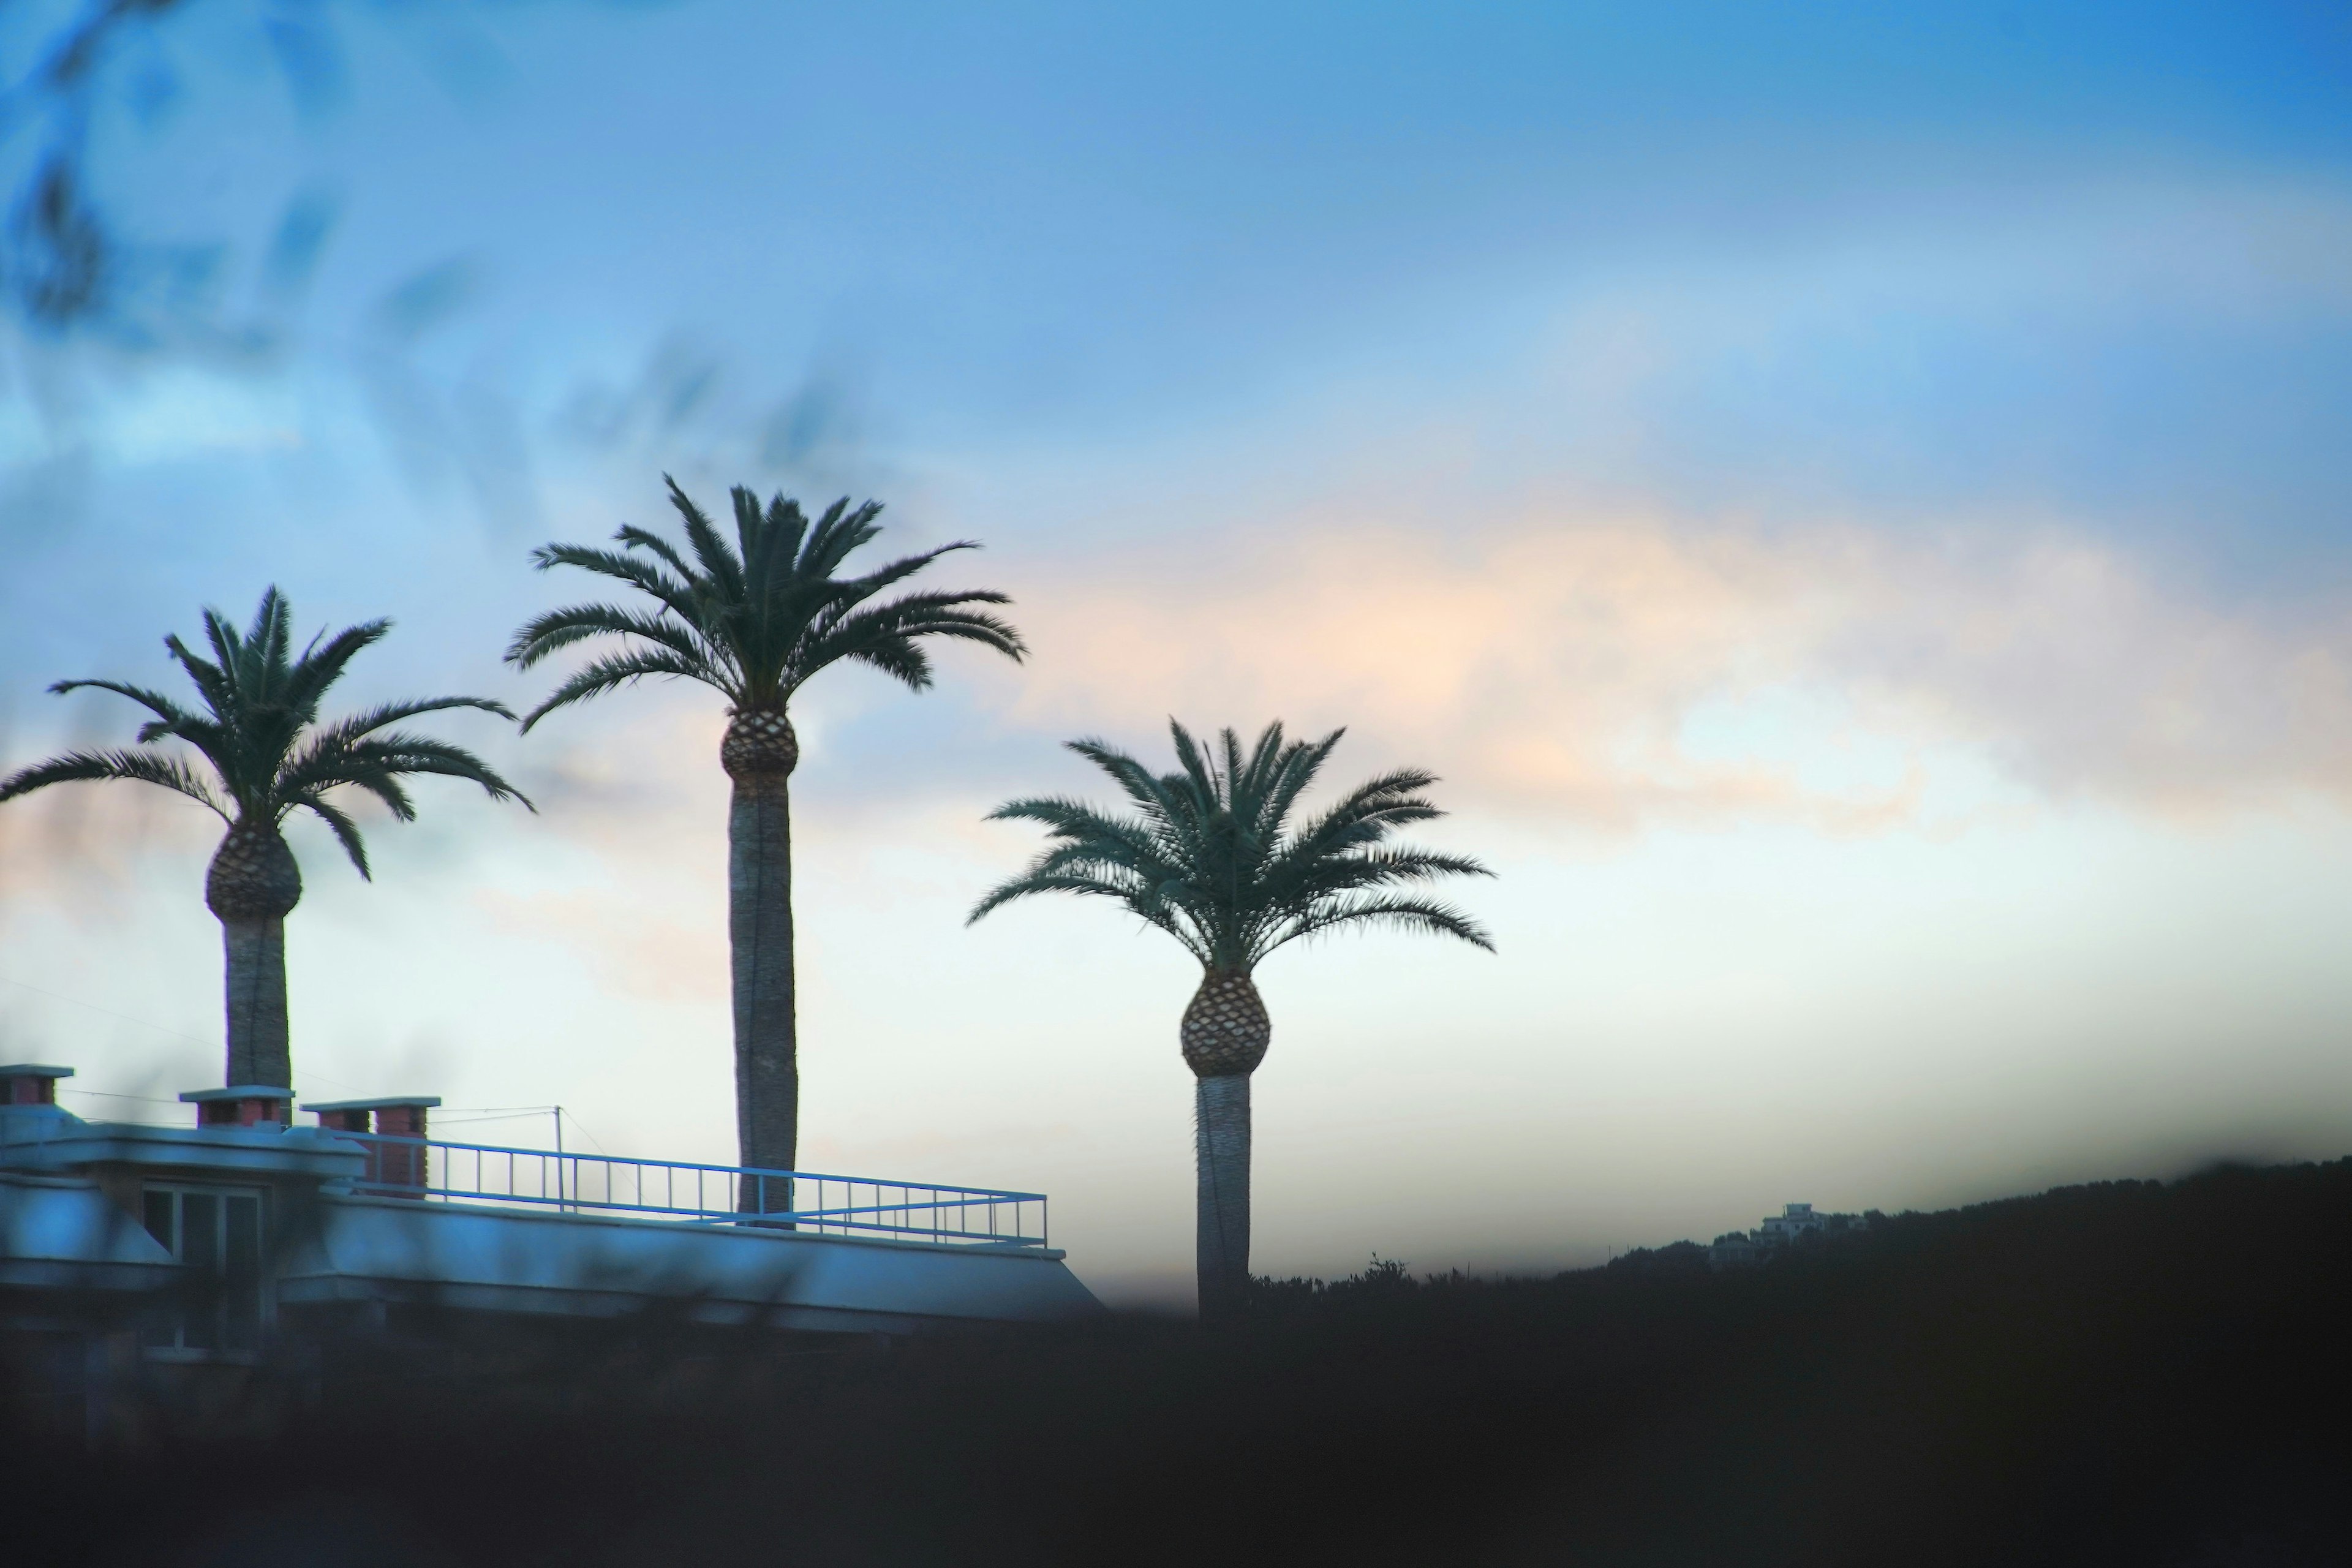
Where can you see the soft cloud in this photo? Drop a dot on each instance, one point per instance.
(81, 847)
(1614, 670)
(2083, 678)
(633, 949)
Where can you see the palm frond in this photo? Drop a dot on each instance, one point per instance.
(366, 722)
(1141, 783)
(383, 783)
(1199, 775)
(140, 767)
(785, 526)
(623, 669)
(719, 562)
(1294, 771)
(261, 732)
(858, 589)
(764, 614)
(1028, 884)
(1422, 915)
(901, 659)
(1294, 883)
(211, 681)
(1137, 901)
(840, 531)
(900, 655)
(930, 615)
(766, 543)
(1367, 813)
(163, 708)
(308, 679)
(1134, 842)
(681, 593)
(346, 832)
(559, 630)
(221, 633)
(653, 544)
(374, 762)
(270, 638)
(1207, 856)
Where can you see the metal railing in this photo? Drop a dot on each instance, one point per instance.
(485, 1174)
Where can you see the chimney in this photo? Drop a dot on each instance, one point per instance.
(399, 1169)
(242, 1105)
(30, 1083)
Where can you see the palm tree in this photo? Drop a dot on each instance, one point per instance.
(1213, 859)
(258, 730)
(754, 620)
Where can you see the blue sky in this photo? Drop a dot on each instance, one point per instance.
(1850, 498)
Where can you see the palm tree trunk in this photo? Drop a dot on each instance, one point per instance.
(1224, 1036)
(258, 1040)
(1220, 1148)
(759, 754)
(252, 885)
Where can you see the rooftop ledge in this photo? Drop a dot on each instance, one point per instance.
(542, 1182)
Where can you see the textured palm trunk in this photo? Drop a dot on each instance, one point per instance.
(253, 885)
(1225, 1034)
(1221, 1156)
(759, 754)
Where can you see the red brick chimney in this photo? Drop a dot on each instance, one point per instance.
(399, 1169)
(30, 1083)
(241, 1105)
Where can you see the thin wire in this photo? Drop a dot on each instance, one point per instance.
(583, 1126)
(464, 1115)
(141, 1098)
(105, 1094)
(144, 1024)
(153, 1100)
(76, 1001)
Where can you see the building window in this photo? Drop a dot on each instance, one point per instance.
(214, 1233)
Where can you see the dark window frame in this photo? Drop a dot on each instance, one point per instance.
(220, 1310)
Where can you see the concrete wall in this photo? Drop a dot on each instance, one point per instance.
(59, 1233)
(454, 1254)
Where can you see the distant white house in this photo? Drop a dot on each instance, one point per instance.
(1794, 1222)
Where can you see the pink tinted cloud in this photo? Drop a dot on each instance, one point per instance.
(2084, 676)
(1557, 664)
(633, 949)
(79, 847)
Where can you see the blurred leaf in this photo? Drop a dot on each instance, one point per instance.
(58, 252)
(425, 299)
(302, 231)
(312, 63)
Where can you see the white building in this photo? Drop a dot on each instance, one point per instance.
(1794, 1222)
(202, 1246)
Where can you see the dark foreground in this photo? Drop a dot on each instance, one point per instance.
(2126, 1373)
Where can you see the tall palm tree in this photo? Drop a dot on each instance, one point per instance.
(258, 730)
(1213, 858)
(755, 619)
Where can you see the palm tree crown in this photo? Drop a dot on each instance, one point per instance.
(258, 729)
(1213, 859)
(257, 726)
(757, 618)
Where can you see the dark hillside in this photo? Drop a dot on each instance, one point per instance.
(2125, 1372)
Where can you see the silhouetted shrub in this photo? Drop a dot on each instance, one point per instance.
(2126, 1372)
(1674, 1257)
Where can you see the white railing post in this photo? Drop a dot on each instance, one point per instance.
(862, 1205)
